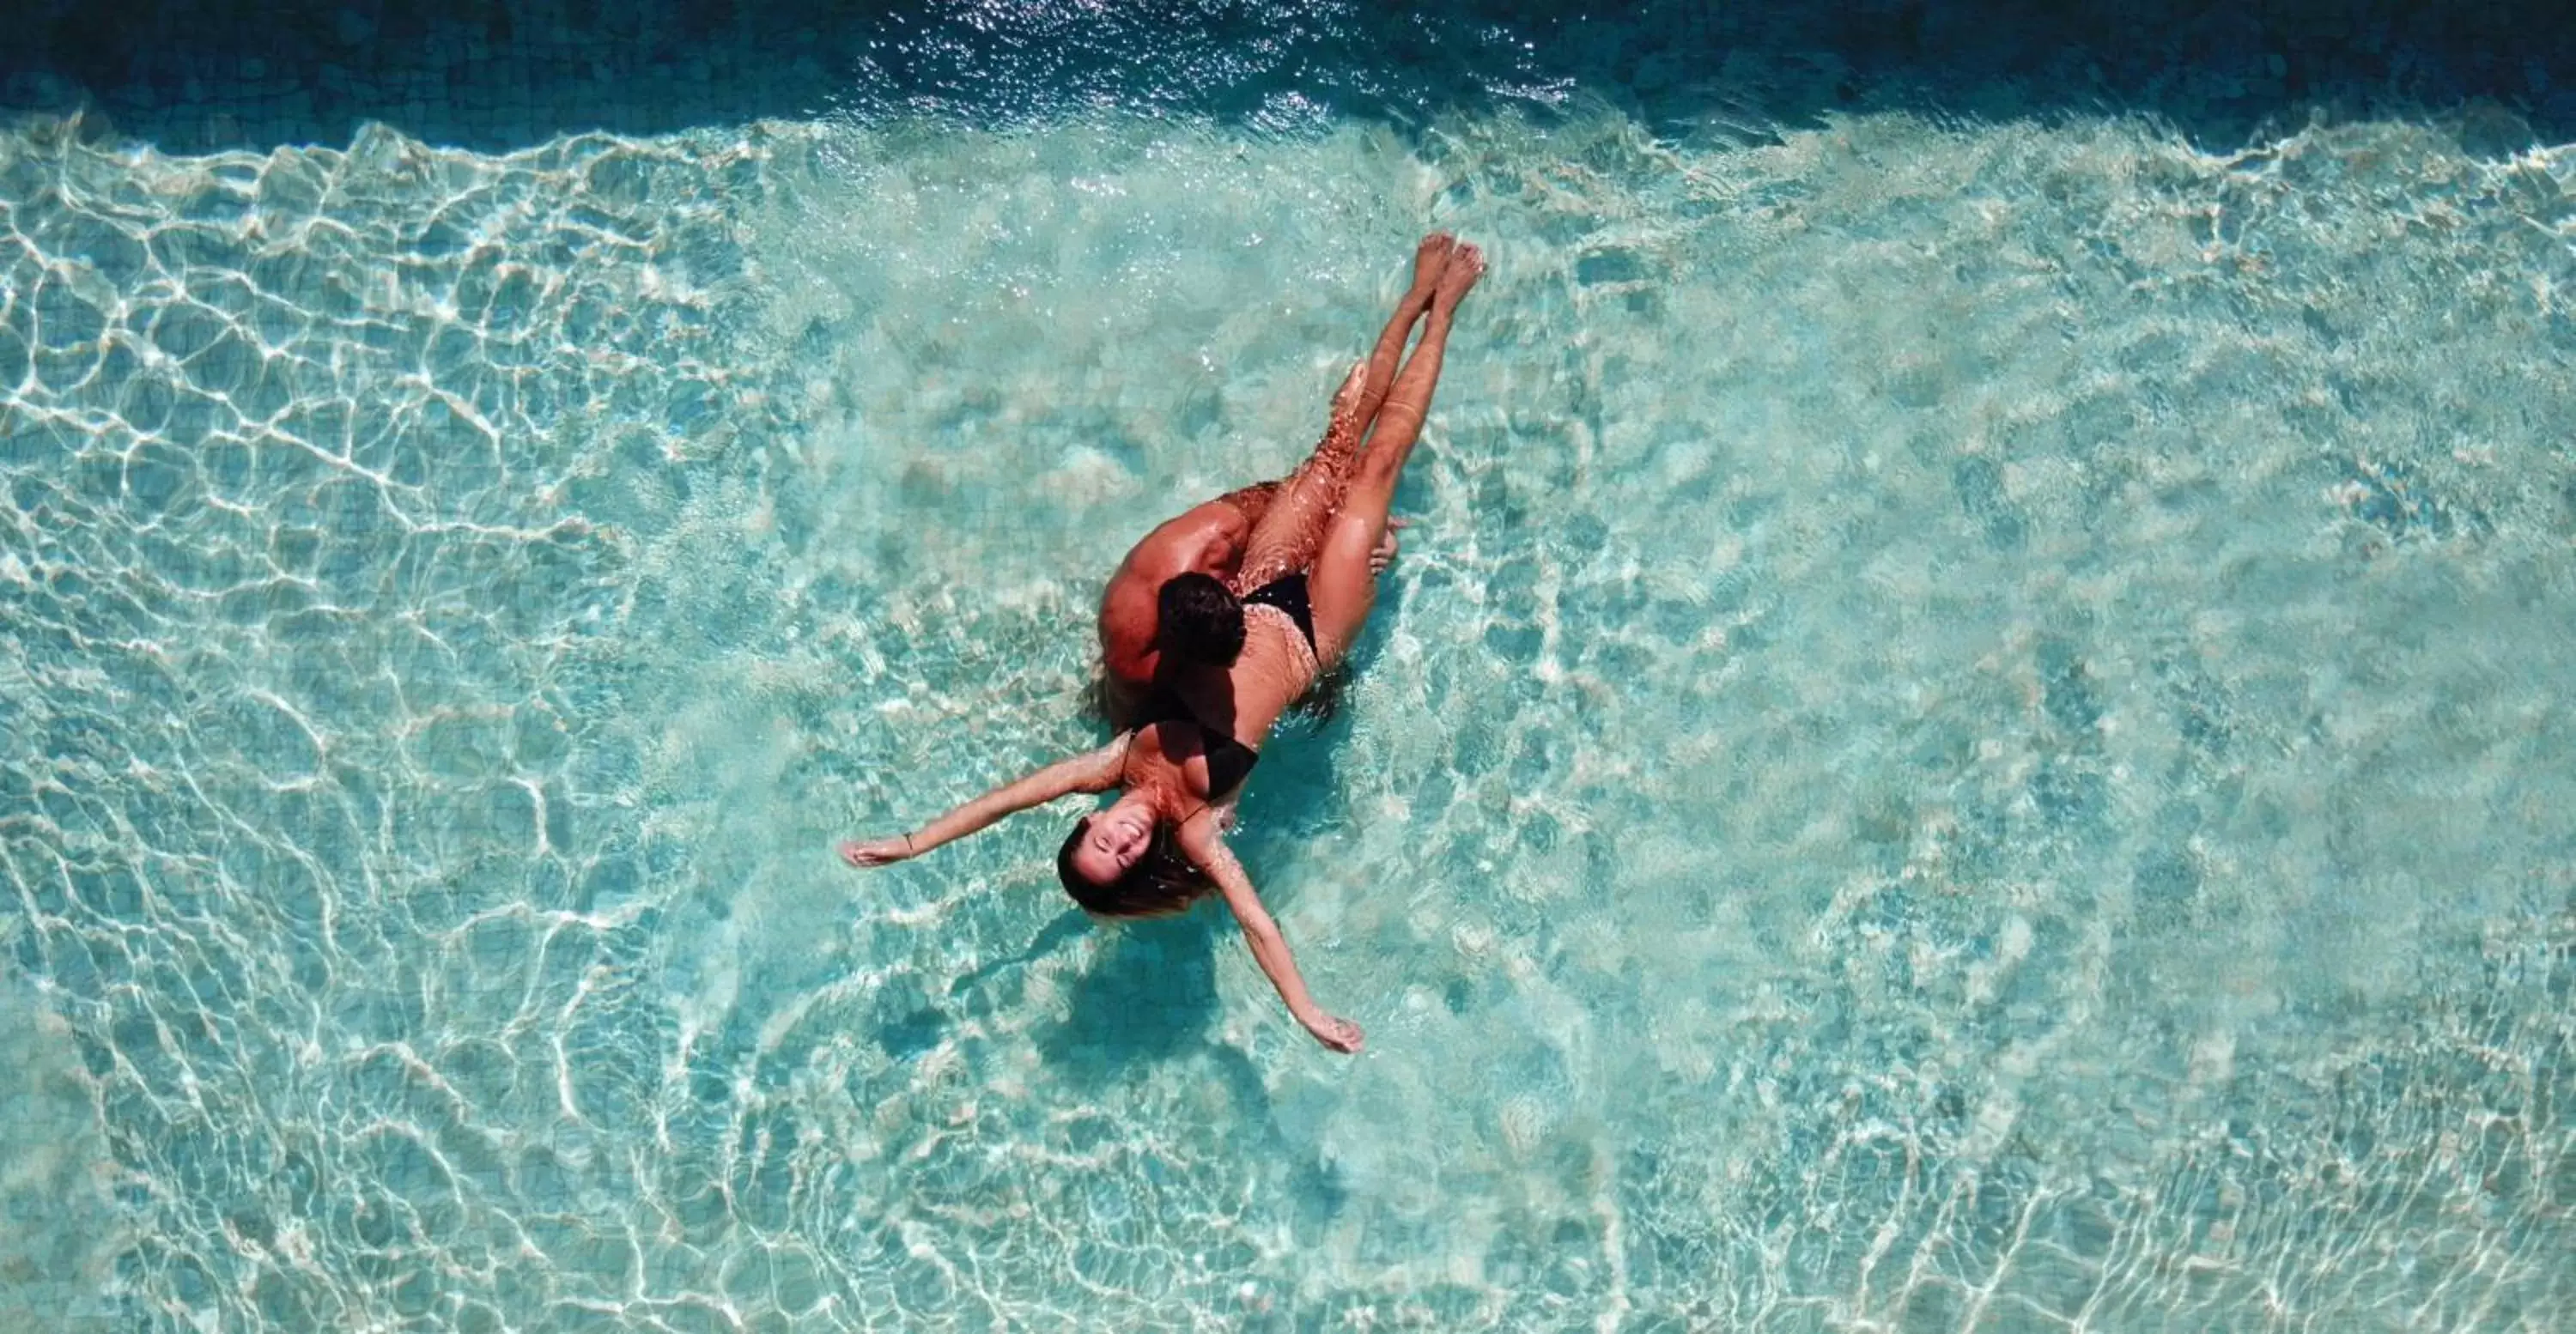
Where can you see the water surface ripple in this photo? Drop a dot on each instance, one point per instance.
(1972, 733)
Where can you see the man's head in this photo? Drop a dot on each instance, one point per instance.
(1198, 620)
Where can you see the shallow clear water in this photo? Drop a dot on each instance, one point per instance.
(1972, 732)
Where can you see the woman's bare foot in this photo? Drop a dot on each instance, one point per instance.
(1430, 257)
(1466, 265)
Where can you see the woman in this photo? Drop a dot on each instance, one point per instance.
(1180, 766)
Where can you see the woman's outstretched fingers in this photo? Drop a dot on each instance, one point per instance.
(1339, 1034)
(875, 852)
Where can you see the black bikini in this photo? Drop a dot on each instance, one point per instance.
(1288, 594)
(1229, 761)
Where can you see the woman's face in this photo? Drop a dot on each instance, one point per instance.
(1113, 842)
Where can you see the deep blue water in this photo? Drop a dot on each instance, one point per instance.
(509, 73)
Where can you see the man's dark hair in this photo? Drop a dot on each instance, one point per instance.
(1198, 620)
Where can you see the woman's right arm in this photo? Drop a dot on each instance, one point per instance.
(1094, 772)
(1206, 850)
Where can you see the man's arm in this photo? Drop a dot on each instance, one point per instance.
(1251, 502)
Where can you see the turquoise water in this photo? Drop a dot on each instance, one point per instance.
(1972, 732)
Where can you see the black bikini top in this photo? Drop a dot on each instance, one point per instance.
(1229, 761)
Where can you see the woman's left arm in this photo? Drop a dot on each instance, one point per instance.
(1206, 850)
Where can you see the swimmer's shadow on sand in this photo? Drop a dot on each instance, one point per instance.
(1150, 997)
(1149, 994)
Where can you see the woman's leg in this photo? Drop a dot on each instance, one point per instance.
(1250, 501)
(1284, 539)
(1430, 259)
(1341, 586)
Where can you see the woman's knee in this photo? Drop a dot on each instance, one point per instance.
(1341, 611)
(1354, 532)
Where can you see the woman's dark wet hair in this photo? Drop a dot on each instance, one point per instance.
(1196, 618)
(1162, 882)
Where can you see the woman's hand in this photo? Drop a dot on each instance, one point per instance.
(1339, 1034)
(876, 851)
